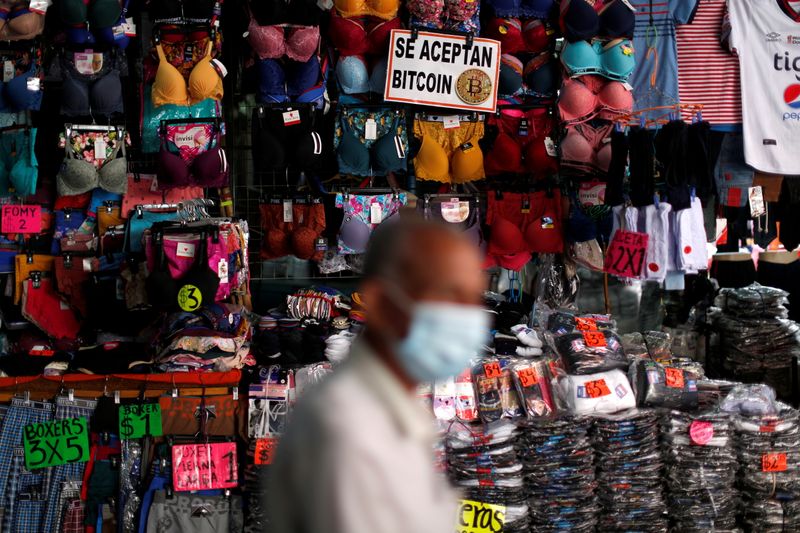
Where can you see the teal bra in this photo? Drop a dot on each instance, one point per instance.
(19, 169)
(613, 60)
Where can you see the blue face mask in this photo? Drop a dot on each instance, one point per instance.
(442, 338)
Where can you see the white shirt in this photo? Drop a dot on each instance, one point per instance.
(357, 457)
(767, 40)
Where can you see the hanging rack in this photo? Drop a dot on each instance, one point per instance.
(637, 118)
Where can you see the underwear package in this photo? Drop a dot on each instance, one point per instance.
(522, 143)
(371, 143)
(287, 137)
(589, 352)
(293, 229)
(561, 322)
(152, 116)
(532, 380)
(449, 152)
(362, 214)
(659, 385)
(587, 149)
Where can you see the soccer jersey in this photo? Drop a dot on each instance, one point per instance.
(766, 37)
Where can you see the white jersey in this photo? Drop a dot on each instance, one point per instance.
(766, 36)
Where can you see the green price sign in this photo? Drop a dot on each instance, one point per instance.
(56, 443)
(140, 420)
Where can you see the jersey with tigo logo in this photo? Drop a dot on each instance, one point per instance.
(766, 37)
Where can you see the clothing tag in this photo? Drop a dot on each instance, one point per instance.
(523, 128)
(188, 53)
(219, 67)
(39, 6)
(606, 140)
(185, 249)
(720, 236)
(734, 197)
(290, 118)
(548, 223)
(288, 215)
(99, 149)
(321, 245)
(222, 270)
(526, 206)
(118, 31)
(370, 130)
(756, 195)
(83, 63)
(550, 146)
(87, 265)
(129, 27)
(466, 147)
(190, 137)
(8, 71)
(34, 84)
(451, 122)
(592, 193)
(375, 213)
(628, 87)
(455, 212)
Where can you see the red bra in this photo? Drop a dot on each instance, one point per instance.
(591, 96)
(355, 36)
(532, 37)
(520, 145)
(586, 148)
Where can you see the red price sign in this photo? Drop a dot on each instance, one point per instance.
(773, 462)
(674, 377)
(626, 253)
(597, 388)
(21, 219)
(585, 324)
(527, 377)
(594, 339)
(265, 450)
(492, 370)
(204, 466)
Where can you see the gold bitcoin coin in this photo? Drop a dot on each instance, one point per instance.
(474, 86)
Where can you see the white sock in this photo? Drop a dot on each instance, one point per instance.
(657, 227)
(527, 336)
(632, 219)
(699, 257)
(528, 351)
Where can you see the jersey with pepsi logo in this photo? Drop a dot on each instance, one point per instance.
(766, 37)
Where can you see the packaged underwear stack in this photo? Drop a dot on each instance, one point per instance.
(629, 472)
(701, 466)
(558, 461)
(482, 462)
(757, 341)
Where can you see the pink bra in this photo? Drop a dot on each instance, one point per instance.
(273, 42)
(587, 148)
(591, 97)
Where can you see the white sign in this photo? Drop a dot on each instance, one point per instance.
(440, 70)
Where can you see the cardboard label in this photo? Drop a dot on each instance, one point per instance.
(375, 213)
(370, 129)
(479, 517)
(595, 339)
(597, 388)
(191, 136)
(773, 462)
(56, 443)
(99, 149)
(204, 466)
(185, 249)
(592, 193)
(756, 196)
(451, 122)
(39, 6)
(527, 377)
(439, 70)
(21, 219)
(585, 324)
(140, 420)
(290, 118)
(265, 450)
(288, 213)
(674, 377)
(626, 253)
(492, 370)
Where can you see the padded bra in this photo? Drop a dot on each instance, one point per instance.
(432, 210)
(20, 24)
(587, 148)
(580, 21)
(539, 230)
(614, 60)
(384, 9)
(15, 95)
(520, 143)
(18, 165)
(98, 13)
(434, 11)
(351, 73)
(521, 8)
(360, 36)
(587, 97)
(273, 42)
(78, 176)
(209, 169)
(169, 86)
(292, 81)
(540, 74)
(387, 154)
(99, 94)
(533, 36)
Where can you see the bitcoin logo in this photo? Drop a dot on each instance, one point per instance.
(189, 298)
(474, 86)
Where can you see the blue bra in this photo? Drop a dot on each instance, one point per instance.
(16, 95)
(522, 8)
(614, 60)
(351, 73)
(292, 81)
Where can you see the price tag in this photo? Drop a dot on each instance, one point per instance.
(265, 450)
(597, 388)
(626, 253)
(370, 130)
(701, 432)
(288, 213)
(592, 193)
(222, 270)
(140, 420)
(594, 339)
(185, 249)
(585, 324)
(39, 6)
(99, 149)
(451, 122)
(674, 377)
(33, 84)
(479, 517)
(527, 377)
(756, 196)
(204, 466)
(773, 462)
(375, 213)
(550, 147)
(290, 118)
(8, 71)
(21, 219)
(129, 27)
(492, 370)
(54, 443)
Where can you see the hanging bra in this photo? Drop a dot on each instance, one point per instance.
(533, 36)
(197, 288)
(292, 81)
(520, 143)
(16, 94)
(353, 78)
(580, 21)
(470, 225)
(356, 228)
(587, 148)
(521, 8)
(20, 24)
(589, 96)
(273, 42)
(209, 169)
(383, 9)
(539, 230)
(614, 60)
(434, 11)
(169, 86)
(541, 75)
(87, 33)
(78, 176)
(387, 154)
(98, 13)
(509, 82)
(19, 169)
(361, 36)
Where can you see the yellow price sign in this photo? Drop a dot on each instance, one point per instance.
(479, 517)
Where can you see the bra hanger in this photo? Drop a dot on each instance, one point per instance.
(468, 36)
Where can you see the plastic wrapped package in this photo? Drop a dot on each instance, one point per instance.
(494, 388)
(562, 321)
(753, 301)
(657, 385)
(603, 392)
(589, 352)
(634, 345)
(557, 281)
(751, 400)
(532, 380)
(659, 345)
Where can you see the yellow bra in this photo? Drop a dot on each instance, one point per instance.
(384, 9)
(169, 86)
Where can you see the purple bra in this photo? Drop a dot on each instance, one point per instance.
(209, 169)
(432, 210)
